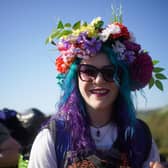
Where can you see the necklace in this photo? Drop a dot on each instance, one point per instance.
(98, 133)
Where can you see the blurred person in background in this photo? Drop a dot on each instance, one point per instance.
(9, 149)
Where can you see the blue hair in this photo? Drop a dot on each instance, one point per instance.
(69, 82)
(126, 113)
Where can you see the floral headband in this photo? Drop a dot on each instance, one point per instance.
(83, 40)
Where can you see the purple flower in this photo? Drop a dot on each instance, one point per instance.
(132, 46)
(92, 45)
(82, 37)
(66, 43)
(129, 56)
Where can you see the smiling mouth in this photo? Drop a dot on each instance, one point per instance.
(99, 92)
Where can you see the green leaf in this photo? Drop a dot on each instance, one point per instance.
(55, 34)
(60, 25)
(155, 62)
(145, 51)
(67, 25)
(115, 18)
(64, 33)
(47, 41)
(85, 24)
(159, 84)
(151, 82)
(160, 76)
(99, 24)
(158, 69)
(76, 25)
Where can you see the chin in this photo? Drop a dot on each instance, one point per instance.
(100, 106)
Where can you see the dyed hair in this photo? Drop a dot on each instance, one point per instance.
(72, 110)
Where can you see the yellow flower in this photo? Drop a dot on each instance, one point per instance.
(76, 32)
(89, 29)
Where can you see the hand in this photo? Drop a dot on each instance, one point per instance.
(155, 165)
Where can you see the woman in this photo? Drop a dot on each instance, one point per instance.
(96, 124)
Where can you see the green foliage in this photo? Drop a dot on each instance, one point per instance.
(151, 82)
(159, 84)
(99, 24)
(67, 25)
(155, 62)
(160, 76)
(60, 25)
(158, 69)
(76, 25)
(62, 30)
(157, 76)
(117, 14)
(158, 122)
(22, 163)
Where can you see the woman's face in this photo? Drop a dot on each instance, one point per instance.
(97, 92)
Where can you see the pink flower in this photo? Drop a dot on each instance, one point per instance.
(63, 46)
(141, 71)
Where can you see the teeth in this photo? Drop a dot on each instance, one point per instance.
(99, 91)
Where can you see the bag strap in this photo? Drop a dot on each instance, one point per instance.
(148, 137)
(52, 129)
(138, 148)
(60, 138)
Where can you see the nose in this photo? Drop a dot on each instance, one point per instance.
(99, 78)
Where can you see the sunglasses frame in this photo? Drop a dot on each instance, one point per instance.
(98, 70)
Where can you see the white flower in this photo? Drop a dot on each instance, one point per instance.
(95, 21)
(114, 29)
(111, 29)
(104, 35)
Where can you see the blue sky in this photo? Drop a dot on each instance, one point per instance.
(27, 72)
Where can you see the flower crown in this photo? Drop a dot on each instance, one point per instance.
(84, 40)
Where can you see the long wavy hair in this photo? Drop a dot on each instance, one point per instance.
(71, 107)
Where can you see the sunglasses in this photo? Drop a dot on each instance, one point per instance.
(88, 73)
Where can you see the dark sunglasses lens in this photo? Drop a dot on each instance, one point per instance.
(108, 74)
(87, 73)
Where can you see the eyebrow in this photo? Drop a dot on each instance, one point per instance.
(110, 65)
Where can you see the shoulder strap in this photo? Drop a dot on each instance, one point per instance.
(138, 147)
(60, 138)
(141, 143)
(52, 129)
(142, 138)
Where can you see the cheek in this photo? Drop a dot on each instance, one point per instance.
(83, 87)
(114, 91)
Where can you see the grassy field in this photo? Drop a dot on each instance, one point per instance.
(158, 122)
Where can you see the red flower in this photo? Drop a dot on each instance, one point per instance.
(124, 32)
(60, 65)
(141, 71)
(63, 66)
